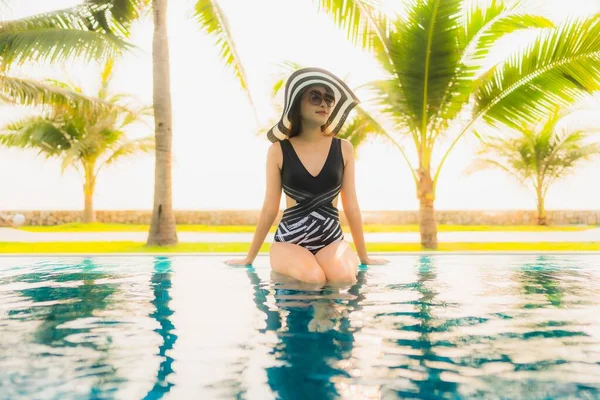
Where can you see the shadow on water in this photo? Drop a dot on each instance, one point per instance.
(161, 287)
(314, 333)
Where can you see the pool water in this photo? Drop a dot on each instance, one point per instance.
(434, 327)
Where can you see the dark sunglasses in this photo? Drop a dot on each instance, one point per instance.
(315, 98)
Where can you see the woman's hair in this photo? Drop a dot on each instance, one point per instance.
(295, 113)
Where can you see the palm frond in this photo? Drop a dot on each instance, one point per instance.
(483, 163)
(116, 16)
(36, 133)
(558, 68)
(130, 147)
(364, 125)
(213, 21)
(363, 21)
(105, 78)
(489, 20)
(285, 69)
(70, 158)
(390, 98)
(30, 92)
(360, 128)
(425, 54)
(58, 45)
(485, 23)
(76, 18)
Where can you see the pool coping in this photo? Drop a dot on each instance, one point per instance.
(234, 254)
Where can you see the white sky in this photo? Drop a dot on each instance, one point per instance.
(219, 160)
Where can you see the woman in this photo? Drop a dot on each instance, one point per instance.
(312, 167)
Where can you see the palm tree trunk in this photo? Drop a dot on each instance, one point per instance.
(541, 208)
(162, 226)
(427, 220)
(89, 215)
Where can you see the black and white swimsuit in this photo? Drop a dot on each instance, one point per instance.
(313, 222)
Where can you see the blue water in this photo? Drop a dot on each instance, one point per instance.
(432, 327)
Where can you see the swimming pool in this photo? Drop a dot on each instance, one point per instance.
(440, 326)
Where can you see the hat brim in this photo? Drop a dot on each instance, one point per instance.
(345, 100)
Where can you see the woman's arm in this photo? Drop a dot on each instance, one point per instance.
(351, 207)
(270, 207)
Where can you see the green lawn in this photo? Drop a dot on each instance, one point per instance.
(98, 227)
(136, 247)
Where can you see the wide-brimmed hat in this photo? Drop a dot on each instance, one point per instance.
(345, 100)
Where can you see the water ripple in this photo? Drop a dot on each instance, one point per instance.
(421, 327)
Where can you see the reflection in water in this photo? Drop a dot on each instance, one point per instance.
(65, 308)
(429, 382)
(542, 277)
(66, 297)
(161, 286)
(421, 327)
(426, 345)
(314, 334)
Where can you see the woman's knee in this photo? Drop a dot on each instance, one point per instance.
(339, 262)
(342, 274)
(313, 274)
(297, 262)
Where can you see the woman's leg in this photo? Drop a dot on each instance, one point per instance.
(295, 261)
(338, 261)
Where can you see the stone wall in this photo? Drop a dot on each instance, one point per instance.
(249, 217)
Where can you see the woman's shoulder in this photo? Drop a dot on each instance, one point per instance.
(347, 149)
(275, 152)
(275, 147)
(346, 144)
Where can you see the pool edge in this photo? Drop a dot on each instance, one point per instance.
(234, 254)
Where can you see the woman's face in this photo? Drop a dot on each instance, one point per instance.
(317, 104)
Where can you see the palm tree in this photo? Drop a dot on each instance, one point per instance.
(436, 54)
(213, 21)
(54, 37)
(538, 155)
(83, 139)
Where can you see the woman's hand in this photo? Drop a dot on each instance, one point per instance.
(374, 261)
(242, 261)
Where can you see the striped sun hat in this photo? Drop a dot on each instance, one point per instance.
(345, 100)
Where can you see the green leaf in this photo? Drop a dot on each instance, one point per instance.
(36, 133)
(426, 54)
(116, 16)
(558, 68)
(363, 21)
(58, 45)
(30, 92)
(488, 21)
(285, 70)
(362, 126)
(213, 21)
(77, 18)
(130, 147)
